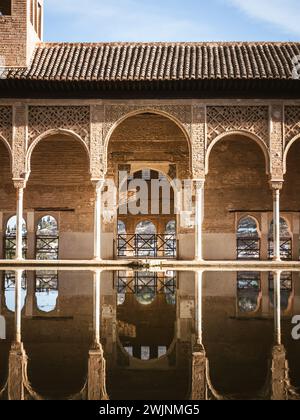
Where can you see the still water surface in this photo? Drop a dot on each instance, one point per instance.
(148, 328)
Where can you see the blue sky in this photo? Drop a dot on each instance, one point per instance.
(172, 20)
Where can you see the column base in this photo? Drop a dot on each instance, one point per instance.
(199, 376)
(277, 259)
(96, 384)
(279, 374)
(17, 372)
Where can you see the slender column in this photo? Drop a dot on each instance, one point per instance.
(17, 369)
(19, 233)
(276, 186)
(96, 384)
(199, 360)
(277, 307)
(96, 313)
(98, 220)
(199, 307)
(280, 381)
(18, 308)
(199, 215)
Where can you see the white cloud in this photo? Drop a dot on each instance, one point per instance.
(282, 13)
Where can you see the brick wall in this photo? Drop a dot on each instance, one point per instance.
(60, 179)
(148, 137)
(237, 180)
(17, 37)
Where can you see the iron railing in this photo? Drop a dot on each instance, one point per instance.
(47, 247)
(286, 249)
(248, 248)
(133, 284)
(147, 246)
(10, 244)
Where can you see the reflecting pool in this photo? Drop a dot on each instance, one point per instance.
(155, 334)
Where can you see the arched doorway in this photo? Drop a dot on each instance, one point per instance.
(148, 147)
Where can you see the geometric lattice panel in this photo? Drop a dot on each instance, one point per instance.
(292, 122)
(222, 119)
(6, 123)
(44, 118)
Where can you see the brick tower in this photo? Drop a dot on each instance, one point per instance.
(21, 27)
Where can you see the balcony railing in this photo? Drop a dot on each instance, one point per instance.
(147, 246)
(286, 249)
(248, 249)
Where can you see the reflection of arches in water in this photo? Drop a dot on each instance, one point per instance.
(248, 291)
(10, 288)
(10, 253)
(285, 240)
(286, 290)
(146, 313)
(248, 239)
(47, 248)
(145, 286)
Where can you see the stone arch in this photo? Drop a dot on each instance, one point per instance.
(8, 148)
(47, 135)
(148, 110)
(244, 134)
(286, 151)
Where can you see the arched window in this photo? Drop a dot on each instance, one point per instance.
(47, 239)
(285, 241)
(11, 237)
(170, 243)
(248, 291)
(146, 239)
(248, 240)
(47, 246)
(10, 253)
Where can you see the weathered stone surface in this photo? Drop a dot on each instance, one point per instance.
(96, 376)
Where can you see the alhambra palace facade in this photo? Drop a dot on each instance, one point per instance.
(224, 115)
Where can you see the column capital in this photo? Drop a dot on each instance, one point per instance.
(19, 183)
(199, 183)
(98, 184)
(276, 185)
